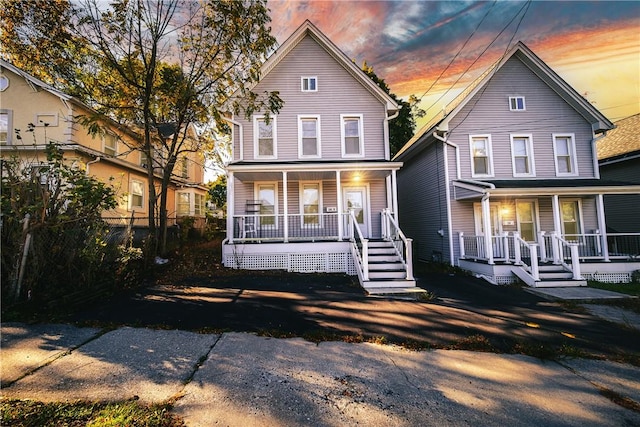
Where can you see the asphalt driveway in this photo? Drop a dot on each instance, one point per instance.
(467, 313)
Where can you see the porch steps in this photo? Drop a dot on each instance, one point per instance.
(551, 276)
(387, 274)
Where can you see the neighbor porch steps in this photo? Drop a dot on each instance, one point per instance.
(551, 276)
(387, 273)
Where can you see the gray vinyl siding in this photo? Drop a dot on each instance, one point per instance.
(338, 93)
(546, 113)
(621, 211)
(422, 203)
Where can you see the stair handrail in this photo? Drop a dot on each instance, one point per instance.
(392, 229)
(533, 267)
(574, 254)
(360, 251)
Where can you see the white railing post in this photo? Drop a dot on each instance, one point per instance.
(350, 225)
(516, 248)
(365, 260)
(505, 243)
(409, 260)
(385, 223)
(555, 247)
(575, 261)
(461, 237)
(543, 246)
(535, 272)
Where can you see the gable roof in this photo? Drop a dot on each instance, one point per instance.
(622, 141)
(599, 123)
(31, 80)
(308, 29)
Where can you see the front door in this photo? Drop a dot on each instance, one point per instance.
(356, 198)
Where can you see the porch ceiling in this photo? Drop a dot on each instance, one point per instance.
(541, 187)
(349, 172)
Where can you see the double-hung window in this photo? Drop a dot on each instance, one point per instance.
(267, 194)
(184, 203)
(6, 126)
(522, 155)
(308, 136)
(198, 204)
(136, 196)
(571, 223)
(310, 199)
(309, 84)
(481, 162)
(265, 143)
(352, 135)
(564, 150)
(110, 144)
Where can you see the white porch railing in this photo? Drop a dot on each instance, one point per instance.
(566, 250)
(359, 247)
(391, 231)
(299, 227)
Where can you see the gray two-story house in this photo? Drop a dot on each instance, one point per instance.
(504, 183)
(312, 188)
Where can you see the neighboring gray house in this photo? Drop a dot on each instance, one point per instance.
(505, 182)
(313, 188)
(619, 159)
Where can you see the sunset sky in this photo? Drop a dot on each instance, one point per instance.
(594, 46)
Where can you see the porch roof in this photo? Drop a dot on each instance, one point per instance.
(365, 170)
(470, 189)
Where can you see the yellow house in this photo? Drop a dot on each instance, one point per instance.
(111, 157)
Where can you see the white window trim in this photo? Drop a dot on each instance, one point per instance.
(530, 157)
(360, 118)
(536, 213)
(572, 154)
(256, 196)
(54, 121)
(9, 114)
(142, 184)
(274, 123)
(303, 78)
(580, 218)
(524, 104)
(104, 145)
(318, 143)
(489, 156)
(320, 205)
(190, 209)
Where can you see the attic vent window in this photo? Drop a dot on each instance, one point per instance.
(516, 103)
(309, 84)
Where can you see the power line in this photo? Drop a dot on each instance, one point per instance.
(458, 53)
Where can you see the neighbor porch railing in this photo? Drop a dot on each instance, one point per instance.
(391, 231)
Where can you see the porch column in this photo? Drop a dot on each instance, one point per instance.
(285, 211)
(230, 205)
(557, 222)
(602, 226)
(339, 207)
(394, 195)
(486, 225)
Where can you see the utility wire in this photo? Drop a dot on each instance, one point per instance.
(458, 53)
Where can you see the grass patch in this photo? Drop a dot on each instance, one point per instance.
(473, 343)
(623, 288)
(27, 413)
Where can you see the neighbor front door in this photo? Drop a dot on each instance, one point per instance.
(355, 198)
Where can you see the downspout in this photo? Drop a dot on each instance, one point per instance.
(385, 133)
(448, 191)
(594, 154)
(86, 172)
(445, 139)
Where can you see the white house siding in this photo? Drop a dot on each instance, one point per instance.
(338, 93)
(421, 211)
(546, 113)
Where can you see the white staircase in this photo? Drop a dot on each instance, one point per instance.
(387, 272)
(551, 276)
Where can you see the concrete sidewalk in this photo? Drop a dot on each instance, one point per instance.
(240, 379)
